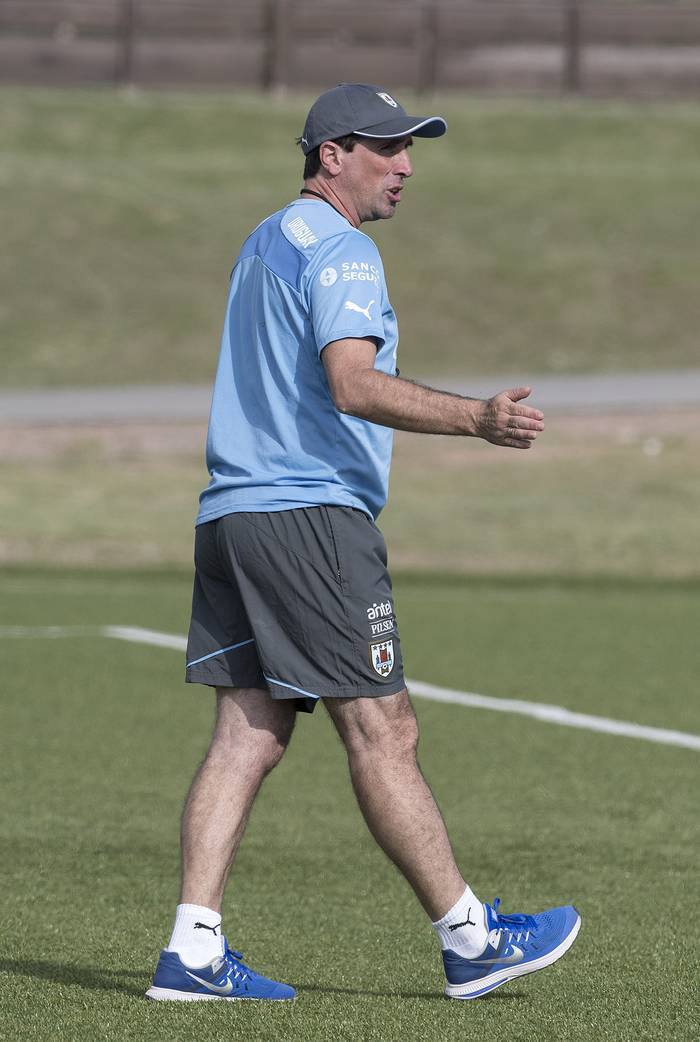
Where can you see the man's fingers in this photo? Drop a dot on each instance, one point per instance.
(514, 426)
(525, 436)
(518, 393)
(517, 436)
(525, 410)
(526, 423)
(519, 426)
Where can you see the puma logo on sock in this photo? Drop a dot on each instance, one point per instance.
(203, 926)
(467, 922)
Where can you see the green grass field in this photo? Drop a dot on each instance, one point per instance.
(99, 739)
(537, 236)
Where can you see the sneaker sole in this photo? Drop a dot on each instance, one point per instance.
(475, 989)
(170, 995)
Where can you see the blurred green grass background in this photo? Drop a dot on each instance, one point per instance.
(538, 236)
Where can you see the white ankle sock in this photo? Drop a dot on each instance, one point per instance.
(196, 935)
(463, 928)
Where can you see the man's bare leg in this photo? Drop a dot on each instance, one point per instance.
(381, 738)
(250, 736)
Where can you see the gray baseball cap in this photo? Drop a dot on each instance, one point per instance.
(365, 110)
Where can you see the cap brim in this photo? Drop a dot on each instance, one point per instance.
(403, 126)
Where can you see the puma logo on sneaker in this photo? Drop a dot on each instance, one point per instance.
(350, 305)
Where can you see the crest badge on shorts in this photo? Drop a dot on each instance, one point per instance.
(381, 655)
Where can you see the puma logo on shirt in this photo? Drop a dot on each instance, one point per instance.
(351, 306)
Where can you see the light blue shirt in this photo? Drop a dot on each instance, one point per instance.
(276, 441)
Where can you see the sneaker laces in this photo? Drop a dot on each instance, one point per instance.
(517, 925)
(240, 970)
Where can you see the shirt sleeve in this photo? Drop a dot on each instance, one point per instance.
(344, 290)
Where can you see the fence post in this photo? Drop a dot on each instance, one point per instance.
(573, 44)
(276, 74)
(426, 46)
(124, 71)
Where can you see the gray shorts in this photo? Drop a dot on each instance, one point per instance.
(297, 602)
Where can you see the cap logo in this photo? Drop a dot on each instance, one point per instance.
(387, 98)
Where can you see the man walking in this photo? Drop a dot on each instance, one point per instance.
(292, 600)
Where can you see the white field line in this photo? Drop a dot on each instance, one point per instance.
(50, 632)
(555, 715)
(537, 710)
(136, 635)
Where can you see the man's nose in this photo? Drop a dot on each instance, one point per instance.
(403, 166)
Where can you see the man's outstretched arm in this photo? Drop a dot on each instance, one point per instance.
(361, 390)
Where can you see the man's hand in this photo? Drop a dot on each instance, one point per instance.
(359, 389)
(503, 422)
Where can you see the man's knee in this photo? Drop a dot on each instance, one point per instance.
(385, 725)
(267, 748)
(250, 727)
(270, 752)
(259, 751)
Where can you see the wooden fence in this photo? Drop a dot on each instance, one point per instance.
(571, 45)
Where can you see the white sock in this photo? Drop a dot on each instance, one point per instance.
(463, 928)
(196, 935)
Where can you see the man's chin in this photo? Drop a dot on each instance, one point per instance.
(379, 215)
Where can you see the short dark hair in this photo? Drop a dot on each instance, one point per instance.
(312, 161)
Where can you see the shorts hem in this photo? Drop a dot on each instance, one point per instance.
(282, 690)
(222, 680)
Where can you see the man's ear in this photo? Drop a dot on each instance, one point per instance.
(329, 154)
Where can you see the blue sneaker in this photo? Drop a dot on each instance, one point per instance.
(226, 977)
(517, 944)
